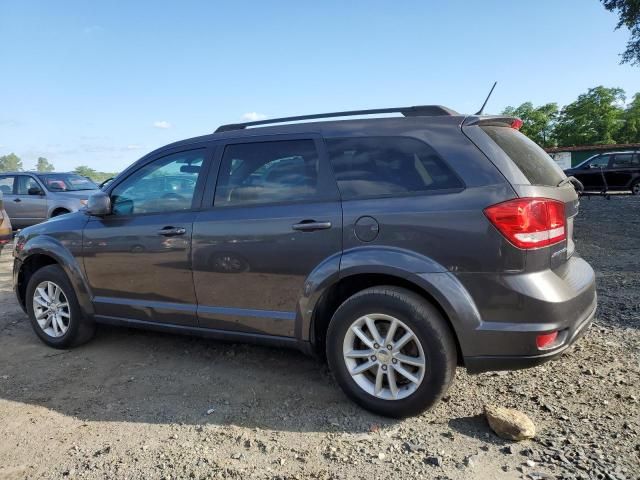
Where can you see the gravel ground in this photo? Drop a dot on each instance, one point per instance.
(133, 404)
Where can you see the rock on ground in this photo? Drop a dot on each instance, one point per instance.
(509, 424)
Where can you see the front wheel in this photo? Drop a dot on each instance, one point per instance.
(54, 310)
(391, 351)
(635, 187)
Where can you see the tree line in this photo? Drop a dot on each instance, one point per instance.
(599, 116)
(13, 163)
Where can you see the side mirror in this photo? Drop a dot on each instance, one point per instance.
(35, 191)
(99, 204)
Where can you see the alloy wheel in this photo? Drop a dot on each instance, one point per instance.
(384, 356)
(51, 309)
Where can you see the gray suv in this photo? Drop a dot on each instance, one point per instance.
(33, 197)
(397, 247)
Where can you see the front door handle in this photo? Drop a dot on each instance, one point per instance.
(17, 200)
(310, 226)
(172, 231)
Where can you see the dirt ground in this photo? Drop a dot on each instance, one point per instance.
(139, 405)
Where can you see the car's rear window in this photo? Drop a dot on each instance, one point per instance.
(533, 161)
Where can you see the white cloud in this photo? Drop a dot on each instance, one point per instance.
(161, 124)
(253, 116)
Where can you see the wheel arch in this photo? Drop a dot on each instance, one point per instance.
(402, 269)
(58, 210)
(41, 251)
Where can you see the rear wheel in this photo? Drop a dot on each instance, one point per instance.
(391, 351)
(54, 310)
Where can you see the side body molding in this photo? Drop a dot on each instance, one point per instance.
(60, 250)
(422, 271)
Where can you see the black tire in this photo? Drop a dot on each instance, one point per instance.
(80, 328)
(429, 327)
(635, 187)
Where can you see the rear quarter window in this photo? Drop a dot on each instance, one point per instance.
(386, 166)
(534, 163)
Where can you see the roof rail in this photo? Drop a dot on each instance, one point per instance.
(416, 111)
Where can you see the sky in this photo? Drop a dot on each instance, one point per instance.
(103, 83)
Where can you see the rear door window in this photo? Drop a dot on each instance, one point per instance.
(534, 163)
(268, 172)
(622, 160)
(379, 166)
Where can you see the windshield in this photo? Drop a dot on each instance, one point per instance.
(67, 182)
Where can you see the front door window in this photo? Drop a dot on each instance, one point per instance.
(599, 162)
(166, 185)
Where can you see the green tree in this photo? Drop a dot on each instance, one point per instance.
(85, 171)
(94, 175)
(537, 123)
(594, 118)
(630, 131)
(628, 16)
(10, 163)
(43, 165)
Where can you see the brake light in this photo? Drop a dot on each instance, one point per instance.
(546, 340)
(529, 222)
(516, 123)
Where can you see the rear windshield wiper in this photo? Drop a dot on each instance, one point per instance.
(577, 184)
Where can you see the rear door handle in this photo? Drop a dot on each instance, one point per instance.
(310, 226)
(17, 200)
(172, 231)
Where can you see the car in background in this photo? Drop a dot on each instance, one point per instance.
(618, 171)
(6, 232)
(33, 197)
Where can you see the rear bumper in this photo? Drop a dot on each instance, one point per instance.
(514, 362)
(514, 309)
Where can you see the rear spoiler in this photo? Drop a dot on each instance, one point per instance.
(493, 121)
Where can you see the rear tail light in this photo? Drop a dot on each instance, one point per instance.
(516, 123)
(529, 222)
(546, 340)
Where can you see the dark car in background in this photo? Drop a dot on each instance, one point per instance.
(397, 247)
(33, 197)
(616, 171)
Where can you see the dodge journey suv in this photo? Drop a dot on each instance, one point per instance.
(396, 247)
